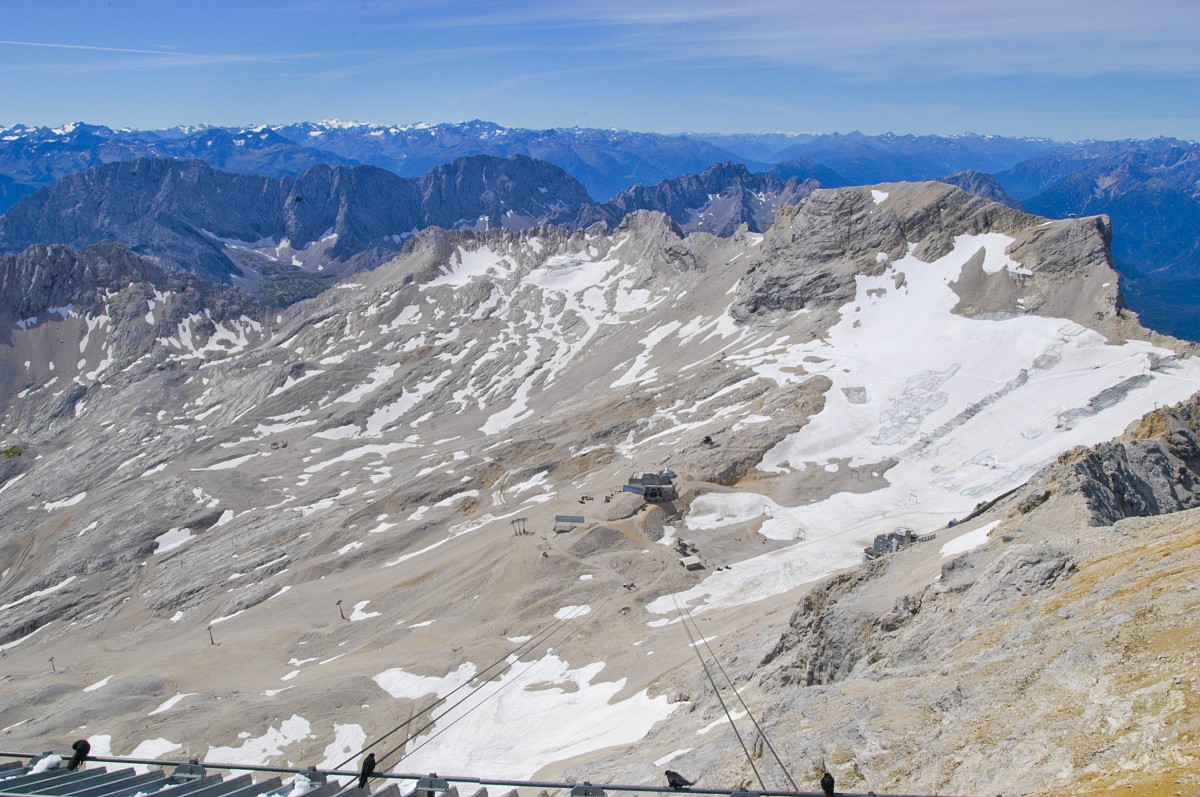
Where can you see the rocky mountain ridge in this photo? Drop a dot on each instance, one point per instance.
(197, 219)
(284, 238)
(45, 276)
(1147, 187)
(604, 160)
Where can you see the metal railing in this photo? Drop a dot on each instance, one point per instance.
(576, 788)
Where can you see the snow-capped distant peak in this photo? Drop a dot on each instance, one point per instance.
(186, 130)
(338, 124)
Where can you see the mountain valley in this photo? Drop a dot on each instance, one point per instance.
(258, 533)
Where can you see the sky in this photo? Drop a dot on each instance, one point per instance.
(1064, 69)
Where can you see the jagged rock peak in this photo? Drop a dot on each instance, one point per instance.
(981, 185)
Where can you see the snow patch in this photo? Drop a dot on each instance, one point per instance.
(50, 506)
(968, 541)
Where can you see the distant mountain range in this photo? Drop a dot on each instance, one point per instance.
(704, 182)
(864, 159)
(222, 226)
(193, 218)
(605, 161)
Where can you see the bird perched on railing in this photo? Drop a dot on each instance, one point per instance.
(677, 781)
(827, 784)
(81, 748)
(368, 767)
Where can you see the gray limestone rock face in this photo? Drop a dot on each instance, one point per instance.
(826, 640)
(811, 256)
(1067, 272)
(1146, 474)
(1021, 570)
(47, 275)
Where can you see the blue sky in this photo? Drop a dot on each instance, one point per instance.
(1067, 69)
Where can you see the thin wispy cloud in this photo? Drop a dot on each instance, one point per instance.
(166, 57)
(869, 39)
(94, 48)
(119, 59)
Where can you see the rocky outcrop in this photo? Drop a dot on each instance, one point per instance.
(826, 640)
(812, 254)
(45, 276)
(1152, 470)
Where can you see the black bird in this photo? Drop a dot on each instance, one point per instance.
(368, 767)
(677, 781)
(827, 784)
(81, 748)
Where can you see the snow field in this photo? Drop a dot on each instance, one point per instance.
(968, 408)
(152, 748)
(171, 539)
(348, 739)
(50, 506)
(551, 712)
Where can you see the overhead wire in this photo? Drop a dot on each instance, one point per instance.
(749, 713)
(509, 661)
(716, 691)
(518, 651)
